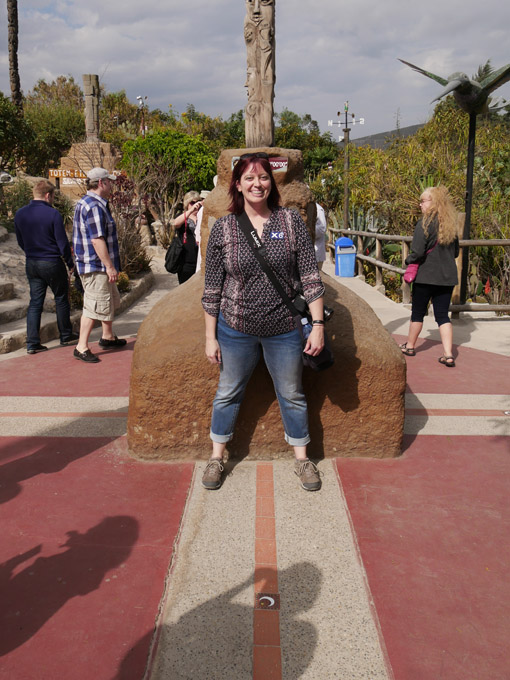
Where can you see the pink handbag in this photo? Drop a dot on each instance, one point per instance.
(410, 272)
(412, 269)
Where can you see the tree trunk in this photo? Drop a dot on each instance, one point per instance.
(12, 14)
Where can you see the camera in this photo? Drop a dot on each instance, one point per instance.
(328, 313)
(302, 306)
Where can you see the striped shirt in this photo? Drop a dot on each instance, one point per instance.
(93, 219)
(236, 285)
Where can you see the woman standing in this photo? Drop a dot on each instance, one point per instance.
(245, 315)
(185, 226)
(435, 246)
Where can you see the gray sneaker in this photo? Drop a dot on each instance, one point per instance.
(308, 474)
(211, 478)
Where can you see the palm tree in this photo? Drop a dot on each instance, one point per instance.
(12, 15)
(495, 104)
(484, 71)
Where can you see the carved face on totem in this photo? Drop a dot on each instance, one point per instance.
(258, 10)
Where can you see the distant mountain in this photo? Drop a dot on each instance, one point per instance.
(383, 139)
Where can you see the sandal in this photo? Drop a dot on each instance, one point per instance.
(408, 351)
(447, 361)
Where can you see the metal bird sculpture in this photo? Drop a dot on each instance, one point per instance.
(471, 96)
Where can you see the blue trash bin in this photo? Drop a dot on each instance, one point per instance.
(345, 257)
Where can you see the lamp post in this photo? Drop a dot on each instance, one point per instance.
(345, 138)
(142, 104)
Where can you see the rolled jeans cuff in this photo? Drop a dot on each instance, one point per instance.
(297, 442)
(220, 438)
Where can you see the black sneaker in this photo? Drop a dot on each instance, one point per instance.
(71, 340)
(37, 348)
(86, 356)
(308, 475)
(116, 342)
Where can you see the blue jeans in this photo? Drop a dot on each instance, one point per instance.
(40, 275)
(240, 353)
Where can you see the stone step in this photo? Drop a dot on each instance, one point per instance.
(84, 159)
(11, 310)
(13, 335)
(7, 291)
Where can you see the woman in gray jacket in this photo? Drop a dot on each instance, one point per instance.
(435, 246)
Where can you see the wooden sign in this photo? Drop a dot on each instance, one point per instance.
(67, 173)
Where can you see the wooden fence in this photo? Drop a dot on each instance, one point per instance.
(380, 264)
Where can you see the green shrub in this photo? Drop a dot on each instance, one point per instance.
(65, 206)
(16, 196)
(123, 282)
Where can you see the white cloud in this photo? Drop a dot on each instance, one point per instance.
(178, 53)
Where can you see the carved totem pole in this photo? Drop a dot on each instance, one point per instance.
(82, 156)
(91, 92)
(259, 32)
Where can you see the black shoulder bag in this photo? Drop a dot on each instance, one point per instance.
(297, 307)
(174, 256)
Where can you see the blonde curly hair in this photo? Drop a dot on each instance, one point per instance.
(442, 207)
(190, 196)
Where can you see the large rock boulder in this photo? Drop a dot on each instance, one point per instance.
(356, 408)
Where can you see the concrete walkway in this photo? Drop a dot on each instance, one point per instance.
(116, 569)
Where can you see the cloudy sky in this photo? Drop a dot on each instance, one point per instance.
(327, 51)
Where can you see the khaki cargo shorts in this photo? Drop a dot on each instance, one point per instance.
(100, 297)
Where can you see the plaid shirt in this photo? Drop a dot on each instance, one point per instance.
(93, 219)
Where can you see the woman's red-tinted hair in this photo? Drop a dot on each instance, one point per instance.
(237, 199)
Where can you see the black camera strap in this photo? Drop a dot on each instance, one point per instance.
(259, 251)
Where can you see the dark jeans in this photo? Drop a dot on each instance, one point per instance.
(40, 275)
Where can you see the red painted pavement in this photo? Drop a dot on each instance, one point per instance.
(475, 372)
(57, 373)
(433, 529)
(87, 538)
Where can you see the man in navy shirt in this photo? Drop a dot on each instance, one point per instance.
(41, 235)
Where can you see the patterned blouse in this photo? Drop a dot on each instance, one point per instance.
(236, 285)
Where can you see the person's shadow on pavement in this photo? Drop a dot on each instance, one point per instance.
(215, 639)
(31, 597)
(47, 457)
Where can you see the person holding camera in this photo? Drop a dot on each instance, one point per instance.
(245, 315)
(185, 226)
